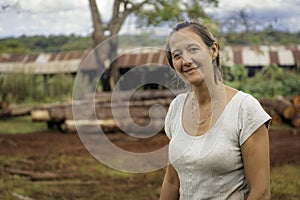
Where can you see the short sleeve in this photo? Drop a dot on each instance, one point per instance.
(168, 120)
(251, 117)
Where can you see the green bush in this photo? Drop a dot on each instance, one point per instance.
(272, 82)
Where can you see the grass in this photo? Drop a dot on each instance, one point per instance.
(22, 124)
(285, 182)
(86, 178)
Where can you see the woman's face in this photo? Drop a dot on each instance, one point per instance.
(191, 57)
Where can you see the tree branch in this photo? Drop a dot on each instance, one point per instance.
(119, 17)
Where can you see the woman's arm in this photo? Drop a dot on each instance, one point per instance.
(170, 186)
(256, 159)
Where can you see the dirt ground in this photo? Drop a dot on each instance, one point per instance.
(284, 144)
(35, 150)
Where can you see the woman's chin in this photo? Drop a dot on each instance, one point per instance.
(195, 81)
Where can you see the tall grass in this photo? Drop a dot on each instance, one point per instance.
(22, 88)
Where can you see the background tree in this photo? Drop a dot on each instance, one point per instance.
(239, 25)
(149, 12)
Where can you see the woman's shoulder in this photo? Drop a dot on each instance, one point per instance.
(243, 96)
(180, 98)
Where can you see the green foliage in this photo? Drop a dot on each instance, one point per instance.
(155, 14)
(12, 46)
(144, 39)
(26, 88)
(239, 75)
(265, 37)
(16, 87)
(273, 82)
(38, 44)
(173, 11)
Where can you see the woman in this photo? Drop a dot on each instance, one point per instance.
(219, 146)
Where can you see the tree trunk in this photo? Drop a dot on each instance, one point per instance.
(98, 37)
(98, 33)
(114, 65)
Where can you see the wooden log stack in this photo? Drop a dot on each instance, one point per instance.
(60, 115)
(283, 110)
(129, 111)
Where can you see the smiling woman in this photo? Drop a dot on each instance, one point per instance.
(216, 132)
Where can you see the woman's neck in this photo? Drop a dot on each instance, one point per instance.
(209, 94)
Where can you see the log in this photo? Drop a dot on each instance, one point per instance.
(108, 125)
(276, 118)
(57, 114)
(142, 112)
(21, 111)
(40, 115)
(267, 103)
(138, 95)
(296, 101)
(5, 113)
(296, 121)
(141, 103)
(68, 112)
(285, 108)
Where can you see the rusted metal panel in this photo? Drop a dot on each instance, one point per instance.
(122, 60)
(70, 61)
(52, 57)
(274, 57)
(237, 56)
(16, 58)
(4, 58)
(31, 58)
(144, 58)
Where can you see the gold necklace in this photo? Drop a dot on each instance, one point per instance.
(194, 118)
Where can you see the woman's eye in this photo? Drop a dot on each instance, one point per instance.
(193, 50)
(176, 56)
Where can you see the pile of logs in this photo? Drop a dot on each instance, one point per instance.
(60, 115)
(283, 110)
(139, 104)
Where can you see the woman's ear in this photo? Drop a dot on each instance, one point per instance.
(215, 50)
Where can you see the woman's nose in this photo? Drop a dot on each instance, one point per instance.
(186, 60)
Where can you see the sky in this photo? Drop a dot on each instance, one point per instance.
(56, 17)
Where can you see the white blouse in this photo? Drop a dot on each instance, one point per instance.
(210, 166)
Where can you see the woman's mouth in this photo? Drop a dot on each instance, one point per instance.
(190, 70)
